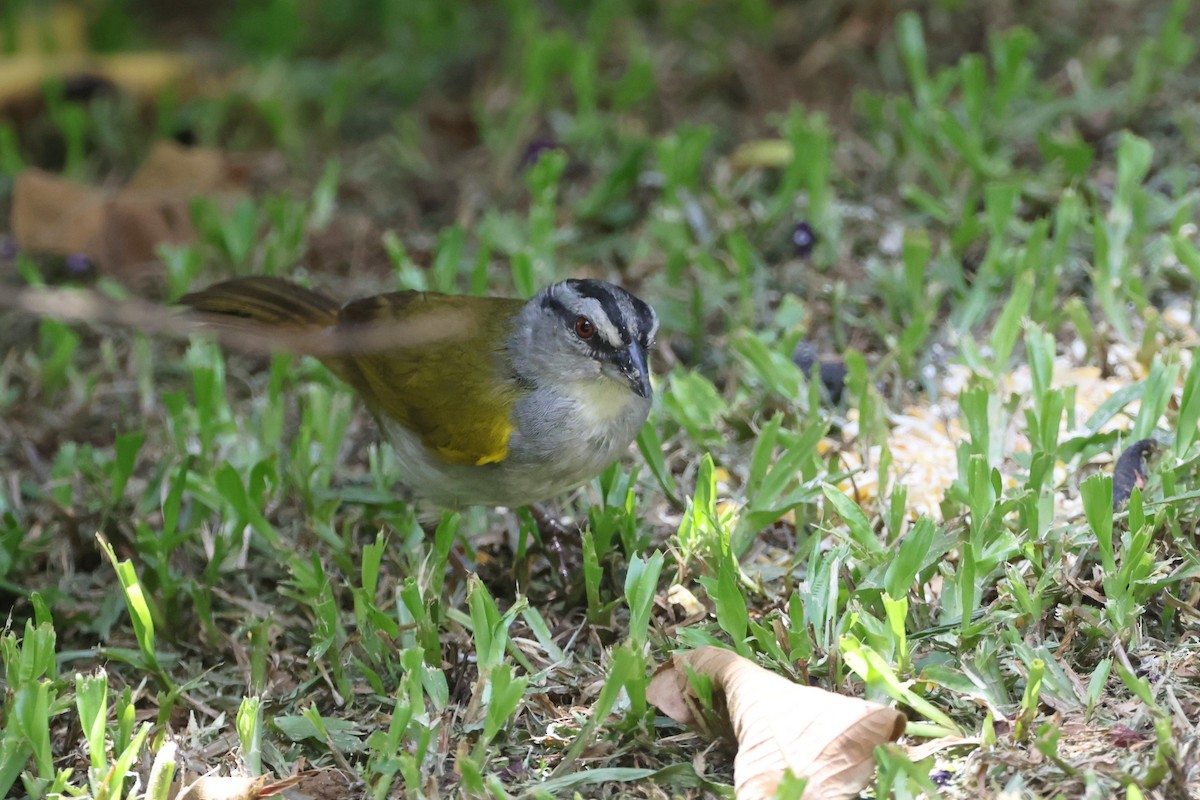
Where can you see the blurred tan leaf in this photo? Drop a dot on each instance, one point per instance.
(51, 43)
(828, 738)
(190, 170)
(669, 692)
(215, 787)
(119, 230)
(53, 215)
(135, 224)
(146, 74)
(143, 75)
(681, 596)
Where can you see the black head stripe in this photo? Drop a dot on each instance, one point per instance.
(603, 293)
(551, 303)
(628, 317)
(647, 323)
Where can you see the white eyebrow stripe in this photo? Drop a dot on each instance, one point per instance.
(591, 308)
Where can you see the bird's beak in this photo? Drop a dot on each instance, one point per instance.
(631, 361)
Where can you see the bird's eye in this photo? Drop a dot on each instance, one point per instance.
(584, 328)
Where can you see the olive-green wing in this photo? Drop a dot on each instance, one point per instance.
(437, 365)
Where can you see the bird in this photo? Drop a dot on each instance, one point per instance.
(487, 401)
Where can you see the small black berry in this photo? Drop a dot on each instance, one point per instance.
(804, 239)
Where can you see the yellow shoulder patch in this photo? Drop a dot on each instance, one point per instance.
(450, 390)
(490, 449)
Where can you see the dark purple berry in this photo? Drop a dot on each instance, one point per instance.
(804, 239)
(940, 777)
(535, 148)
(77, 264)
(8, 248)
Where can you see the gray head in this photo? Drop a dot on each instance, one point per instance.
(578, 331)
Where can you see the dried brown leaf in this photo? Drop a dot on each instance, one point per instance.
(668, 692)
(135, 224)
(147, 74)
(54, 215)
(188, 171)
(219, 787)
(920, 752)
(828, 738)
(120, 231)
(142, 75)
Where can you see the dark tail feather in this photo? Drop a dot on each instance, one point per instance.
(270, 301)
(272, 315)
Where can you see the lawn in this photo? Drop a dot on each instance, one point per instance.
(926, 425)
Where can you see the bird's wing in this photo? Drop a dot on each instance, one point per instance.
(438, 365)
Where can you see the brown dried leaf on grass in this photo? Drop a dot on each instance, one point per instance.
(119, 230)
(141, 75)
(50, 43)
(827, 738)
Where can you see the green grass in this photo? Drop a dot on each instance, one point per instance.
(209, 565)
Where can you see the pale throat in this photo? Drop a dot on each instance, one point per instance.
(598, 402)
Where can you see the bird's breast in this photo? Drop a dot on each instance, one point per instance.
(577, 428)
(560, 439)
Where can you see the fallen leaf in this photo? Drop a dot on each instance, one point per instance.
(923, 751)
(828, 738)
(217, 787)
(53, 215)
(682, 596)
(171, 167)
(135, 224)
(119, 231)
(220, 787)
(145, 75)
(142, 75)
(49, 43)
(668, 692)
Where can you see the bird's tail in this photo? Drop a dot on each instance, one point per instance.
(272, 315)
(271, 302)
